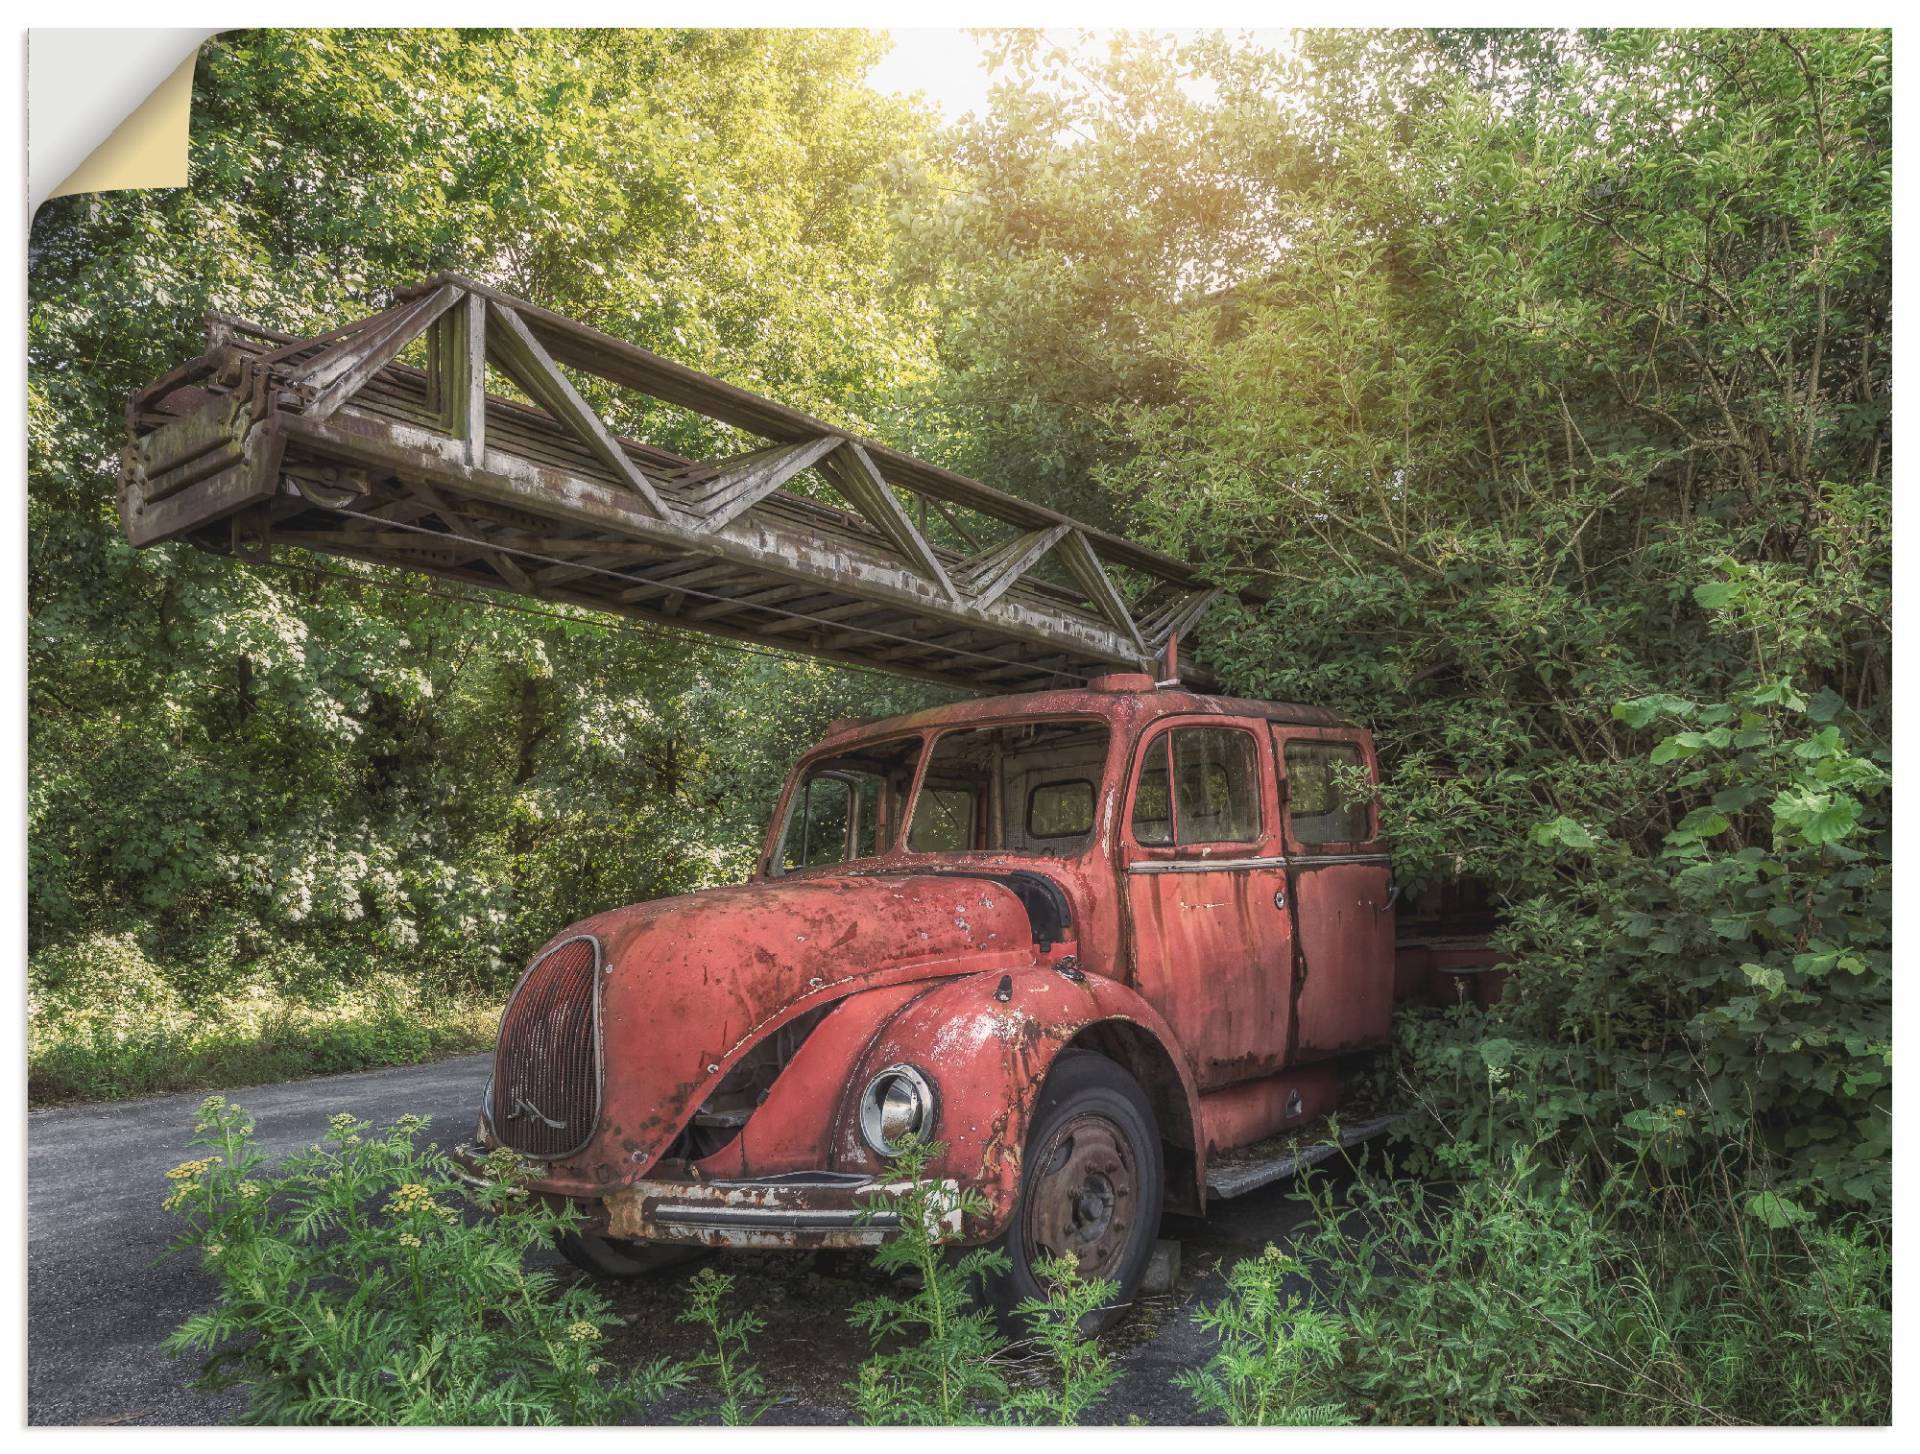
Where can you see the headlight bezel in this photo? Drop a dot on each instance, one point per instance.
(880, 1112)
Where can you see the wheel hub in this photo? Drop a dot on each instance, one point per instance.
(1082, 1203)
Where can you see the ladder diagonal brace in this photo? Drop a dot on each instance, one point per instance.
(470, 535)
(990, 575)
(1178, 618)
(735, 492)
(343, 370)
(853, 473)
(515, 348)
(1085, 568)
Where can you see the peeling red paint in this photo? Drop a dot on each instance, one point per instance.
(1240, 962)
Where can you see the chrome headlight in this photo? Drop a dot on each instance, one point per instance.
(898, 1103)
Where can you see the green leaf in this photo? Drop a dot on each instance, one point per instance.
(1562, 831)
(1825, 704)
(1642, 710)
(1825, 743)
(1831, 823)
(1776, 1211)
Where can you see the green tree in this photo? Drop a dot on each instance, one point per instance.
(278, 778)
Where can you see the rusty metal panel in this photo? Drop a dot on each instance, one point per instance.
(1253, 1110)
(1210, 932)
(1343, 912)
(697, 981)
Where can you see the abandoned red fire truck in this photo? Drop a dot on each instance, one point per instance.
(1100, 933)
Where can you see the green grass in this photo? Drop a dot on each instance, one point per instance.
(105, 1023)
(1518, 1296)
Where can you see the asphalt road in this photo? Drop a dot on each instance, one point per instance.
(101, 1297)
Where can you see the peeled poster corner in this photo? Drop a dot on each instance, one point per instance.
(108, 110)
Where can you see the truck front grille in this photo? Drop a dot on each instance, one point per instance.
(546, 1069)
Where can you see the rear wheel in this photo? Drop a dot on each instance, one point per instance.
(1090, 1188)
(612, 1257)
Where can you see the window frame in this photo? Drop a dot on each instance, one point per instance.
(1112, 752)
(793, 796)
(1093, 807)
(1159, 739)
(1354, 740)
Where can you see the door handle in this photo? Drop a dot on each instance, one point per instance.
(1393, 895)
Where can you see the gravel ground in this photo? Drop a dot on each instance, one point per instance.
(100, 1297)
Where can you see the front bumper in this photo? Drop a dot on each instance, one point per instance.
(799, 1210)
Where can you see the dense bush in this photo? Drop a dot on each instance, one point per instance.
(1516, 1295)
(352, 1290)
(105, 1021)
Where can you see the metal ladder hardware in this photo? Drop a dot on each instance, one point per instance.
(331, 444)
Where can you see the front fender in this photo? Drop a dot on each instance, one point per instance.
(987, 1042)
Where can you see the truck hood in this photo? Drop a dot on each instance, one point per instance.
(693, 982)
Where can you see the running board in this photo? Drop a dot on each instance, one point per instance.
(1278, 1157)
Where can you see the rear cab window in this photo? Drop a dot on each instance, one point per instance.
(1329, 795)
(1026, 787)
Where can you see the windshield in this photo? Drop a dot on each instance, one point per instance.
(1030, 788)
(848, 806)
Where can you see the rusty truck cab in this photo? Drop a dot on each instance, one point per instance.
(1089, 941)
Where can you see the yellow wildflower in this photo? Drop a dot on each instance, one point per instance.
(407, 1239)
(193, 1170)
(411, 1198)
(583, 1332)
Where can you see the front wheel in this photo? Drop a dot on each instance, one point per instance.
(1090, 1188)
(612, 1257)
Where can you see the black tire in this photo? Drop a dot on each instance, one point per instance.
(614, 1259)
(1091, 1181)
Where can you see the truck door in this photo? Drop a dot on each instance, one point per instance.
(1210, 936)
(1341, 878)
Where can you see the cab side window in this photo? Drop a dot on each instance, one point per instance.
(1152, 804)
(1216, 788)
(1317, 807)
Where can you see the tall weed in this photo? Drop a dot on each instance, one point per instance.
(350, 1289)
(943, 1363)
